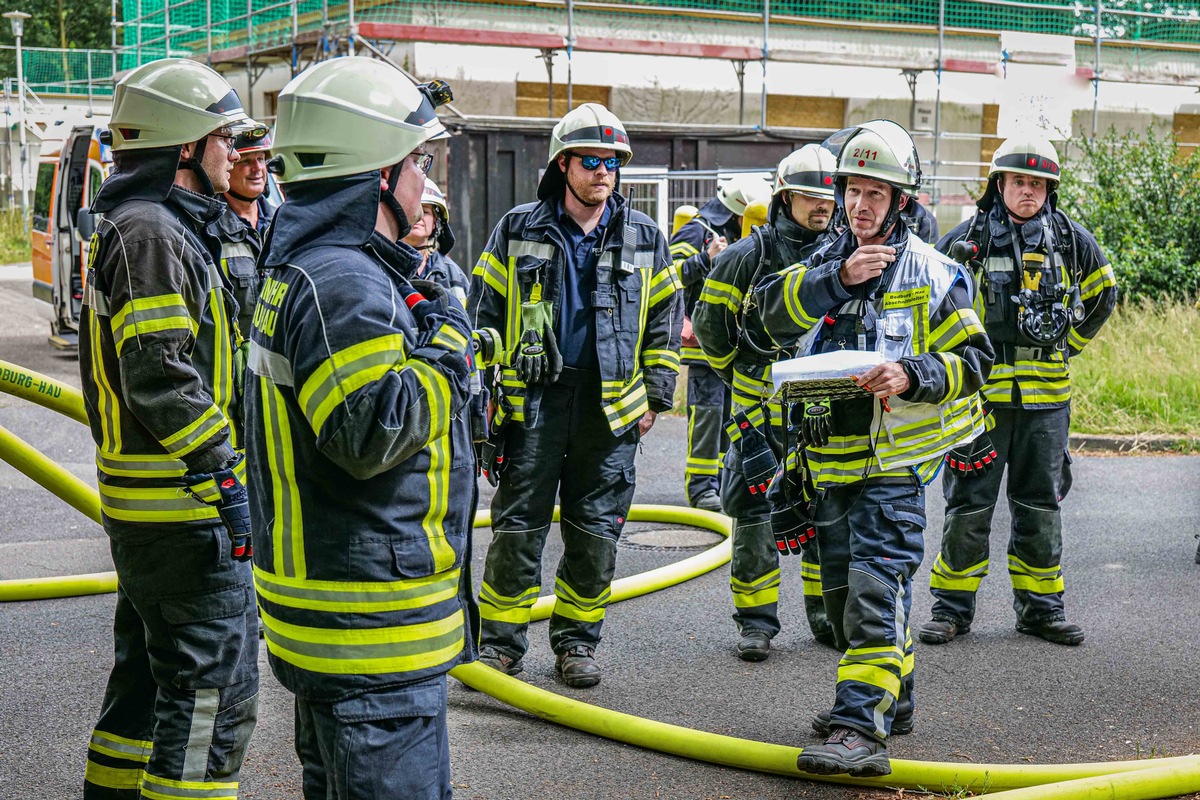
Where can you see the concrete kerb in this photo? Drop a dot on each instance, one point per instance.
(1146, 444)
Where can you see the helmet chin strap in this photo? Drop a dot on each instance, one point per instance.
(242, 197)
(197, 168)
(388, 198)
(571, 189)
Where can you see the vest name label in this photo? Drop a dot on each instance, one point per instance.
(909, 297)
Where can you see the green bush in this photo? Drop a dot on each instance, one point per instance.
(14, 236)
(1141, 198)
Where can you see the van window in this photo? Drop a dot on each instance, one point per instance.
(95, 178)
(41, 196)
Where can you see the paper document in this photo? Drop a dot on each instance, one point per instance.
(823, 375)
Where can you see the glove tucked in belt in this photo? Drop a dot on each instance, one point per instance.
(974, 458)
(758, 462)
(228, 495)
(537, 359)
(791, 507)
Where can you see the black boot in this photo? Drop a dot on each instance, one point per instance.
(846, 752)
(1058, 631)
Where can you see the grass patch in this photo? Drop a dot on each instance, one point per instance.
(1141, 375)
(14, 238)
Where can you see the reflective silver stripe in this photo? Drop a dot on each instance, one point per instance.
(137, 466)
(96, 300)
(270, 365)
(644, 259)
(519, 247)
(236, 250)
(135, 750)
(998, 264)
(204, 721)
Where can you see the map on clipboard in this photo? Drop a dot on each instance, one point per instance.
(825, 375)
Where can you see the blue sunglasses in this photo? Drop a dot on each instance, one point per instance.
(590, 163)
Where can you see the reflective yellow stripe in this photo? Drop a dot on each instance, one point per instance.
(792, 278)
(157, 788)
(760, 592)
(287, 523)
(106, 399)
(954, 375)
(357, 597)
(662, 286)
(1077, 340)
(120, 746)
(956, 328)
(203, 428)
(1039, 580)
(810, 576)
(164, 504)
(500, 608)
(1097, 282)
(449, 338)
(571, 605)
(682, 251)
(222, 388)
(630, 406)
(346, 371)
(702, 466)
(720, 362)
(207, 489)
(140, 466)
(145, 315)
(128, 778)
(963, 580)
(437, 394)
(722, 294)
(493, 273)
(366, 651)
(661, 358)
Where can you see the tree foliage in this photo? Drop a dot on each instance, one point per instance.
(1140, 195)
(85, 24)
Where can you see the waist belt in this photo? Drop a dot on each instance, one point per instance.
(572, 377)
(1013, 353)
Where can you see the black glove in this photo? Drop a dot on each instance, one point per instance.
(443, 335)
(758, 462)
(537, 358)
(223, 490)
(974, 458)
(814, 425)
(491, 455)
(791, 508)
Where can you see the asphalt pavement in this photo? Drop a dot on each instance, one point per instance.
(993, 696)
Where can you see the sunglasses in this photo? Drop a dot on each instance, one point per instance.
(590, 163)
(422, 161)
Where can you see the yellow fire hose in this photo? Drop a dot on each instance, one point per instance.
(1121, 780)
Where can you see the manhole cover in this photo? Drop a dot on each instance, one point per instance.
(670, 539)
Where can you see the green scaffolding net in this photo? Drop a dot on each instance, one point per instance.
(1133, 32)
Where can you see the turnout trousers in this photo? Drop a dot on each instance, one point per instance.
(182, 698)
(376, 746)
(571, 452)
(872, 539)
(1032, 444)
(754, 574)
(708, 409)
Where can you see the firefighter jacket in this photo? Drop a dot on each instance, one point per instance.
(361, 465)
(240, 246)
(637, 306)
(442, 270)
(917, 313)
(689, 254)
(1026, 375)
(155, 342)
(744, 357)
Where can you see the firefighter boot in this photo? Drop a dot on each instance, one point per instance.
(846, 752)
(941, 631)
(1058, 631)
(577, 666)
(491, 657)
(754, 646)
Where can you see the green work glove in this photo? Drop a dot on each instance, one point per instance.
(814, 425)
(537, 359)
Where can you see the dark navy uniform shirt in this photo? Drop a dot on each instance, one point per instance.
(576, 323)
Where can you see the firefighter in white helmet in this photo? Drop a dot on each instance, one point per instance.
(156, 343)
(433, 237)
(868, 456)
(581, 287)
(357, 425)
(798, 224)
(693, 248)
(1046, 290)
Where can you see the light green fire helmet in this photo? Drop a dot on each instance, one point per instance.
(589, 125)
(351, 115)
(808, 170)
(1023, 155)
(171, 102)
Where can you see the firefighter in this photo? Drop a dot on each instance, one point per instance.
(245, 221)
(876, 288)
(433, 238)
(581, 289)
(1046, 290)
(799, 216)
(359, 440)
(693, 248)
(155, 347)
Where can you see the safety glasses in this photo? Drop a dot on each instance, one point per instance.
(422, 161)
(590, 163)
